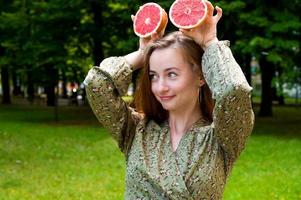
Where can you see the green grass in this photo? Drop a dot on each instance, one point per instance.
(72, 159)
(270, 166)
(77, 159)
(287, 100)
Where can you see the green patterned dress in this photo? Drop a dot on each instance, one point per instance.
(203, 160)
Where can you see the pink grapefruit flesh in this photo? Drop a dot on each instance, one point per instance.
(187, 14)
(149, 18)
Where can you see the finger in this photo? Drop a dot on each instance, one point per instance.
(210, 8)
(187, 32)
(184, 31)
(161, 33)
(219, 13)
(154, 36)
(163, 30)
(133, 17)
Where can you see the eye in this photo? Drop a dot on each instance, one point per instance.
(172, 74)
(153, 77)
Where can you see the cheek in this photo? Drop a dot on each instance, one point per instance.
(153, 88)
(190, 87)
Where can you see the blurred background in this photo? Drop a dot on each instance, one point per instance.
(52, 147)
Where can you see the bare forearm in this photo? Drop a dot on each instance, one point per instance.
(135, 59)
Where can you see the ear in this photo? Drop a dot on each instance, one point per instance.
(201, 82)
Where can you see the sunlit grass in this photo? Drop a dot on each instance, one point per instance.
(269, 168)
(77, 159)
(72, 159)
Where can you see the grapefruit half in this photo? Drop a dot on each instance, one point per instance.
(149, 18)
(187, 14)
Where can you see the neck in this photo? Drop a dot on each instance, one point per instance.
(180, 122)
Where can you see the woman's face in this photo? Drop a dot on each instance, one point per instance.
(173, 82)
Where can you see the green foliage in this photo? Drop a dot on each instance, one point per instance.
(44, 35)
(62, 35)
(265, 28)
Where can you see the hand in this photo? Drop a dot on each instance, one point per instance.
(143, 42)
(136, 58)
(205, 33)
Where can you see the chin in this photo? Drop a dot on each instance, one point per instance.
(168, 107)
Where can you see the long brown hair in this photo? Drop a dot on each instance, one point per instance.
(146, 102)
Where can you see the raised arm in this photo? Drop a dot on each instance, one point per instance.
(233, 117)
(104, 86)
(107, 83)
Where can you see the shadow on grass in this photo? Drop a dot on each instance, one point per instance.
(38, 123)
(285, 123)
(34, 114)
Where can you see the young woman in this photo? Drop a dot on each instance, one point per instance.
(179, 143)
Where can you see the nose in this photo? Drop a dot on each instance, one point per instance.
(162, 86)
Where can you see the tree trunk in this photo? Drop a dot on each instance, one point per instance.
(281, 100)
(64, 84)
(247, 67)
(244, 62)
(30, 86)
(50, 92)
(50, 85)
(281, 95)
(267, 74)
(277, 95)
(16, 84)
(97, 9)
(5, 85)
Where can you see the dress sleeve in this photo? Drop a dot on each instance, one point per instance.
(233, 117)
(104, 86)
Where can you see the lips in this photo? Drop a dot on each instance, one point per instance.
(166, 98)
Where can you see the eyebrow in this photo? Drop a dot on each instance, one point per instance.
(166, 70)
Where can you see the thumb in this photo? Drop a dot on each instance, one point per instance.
(219, 13)
(154, 36)
(133, 17)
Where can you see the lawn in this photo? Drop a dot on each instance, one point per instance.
(76, 158)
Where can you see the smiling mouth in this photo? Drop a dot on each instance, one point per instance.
(166, 98)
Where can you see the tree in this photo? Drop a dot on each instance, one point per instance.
(60, 40)
(270, 36)
(3, 62)
(47, 36)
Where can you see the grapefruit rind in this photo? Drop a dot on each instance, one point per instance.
(190, 26)
(160, 25)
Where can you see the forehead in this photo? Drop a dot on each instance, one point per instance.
(167, 58)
